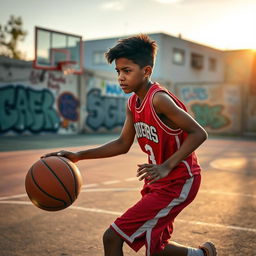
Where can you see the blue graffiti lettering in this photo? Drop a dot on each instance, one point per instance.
(103, 111)
(193, 93)
(24, 109)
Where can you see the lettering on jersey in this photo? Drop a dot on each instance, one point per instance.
(146, 131)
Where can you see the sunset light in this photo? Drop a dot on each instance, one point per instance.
(221, 24)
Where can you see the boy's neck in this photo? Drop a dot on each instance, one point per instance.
(142, 93)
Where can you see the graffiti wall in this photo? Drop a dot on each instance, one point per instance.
(35, 101)
(105, 106)
(216, 107)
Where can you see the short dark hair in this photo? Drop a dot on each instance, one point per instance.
(141, 49)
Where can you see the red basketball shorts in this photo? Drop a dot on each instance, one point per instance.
(150, 221)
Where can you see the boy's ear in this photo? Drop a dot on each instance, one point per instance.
(148, 71)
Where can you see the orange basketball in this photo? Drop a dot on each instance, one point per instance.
(53, 183)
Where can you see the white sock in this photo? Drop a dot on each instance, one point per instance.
(195, 252)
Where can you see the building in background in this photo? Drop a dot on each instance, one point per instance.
(178, 61)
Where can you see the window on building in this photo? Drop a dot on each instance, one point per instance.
(212, 64)
(197, 60)
(178, 56)
(99, 58)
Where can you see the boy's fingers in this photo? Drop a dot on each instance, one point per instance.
(46, 155)
(140, 172)
(151, 177)
(142, 166)
(144, 176)
(147, 173)
(52, 154)
(143, 170)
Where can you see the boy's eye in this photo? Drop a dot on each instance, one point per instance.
(126, 71)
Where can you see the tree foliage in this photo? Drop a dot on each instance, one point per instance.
(10, 35)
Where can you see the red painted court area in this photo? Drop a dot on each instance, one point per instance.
(223, 212)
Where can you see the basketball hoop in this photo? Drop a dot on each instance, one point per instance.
(67, 67)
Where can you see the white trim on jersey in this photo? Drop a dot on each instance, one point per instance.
(142, 104)
(163, 126)
(184, 161)
(130, 103)
(148, 226)
(177, 141)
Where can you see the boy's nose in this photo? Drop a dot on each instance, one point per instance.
(120, 78)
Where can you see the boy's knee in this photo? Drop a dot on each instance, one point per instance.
(107, 236)
(110, 237)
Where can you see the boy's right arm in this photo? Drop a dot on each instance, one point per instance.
(112, 148)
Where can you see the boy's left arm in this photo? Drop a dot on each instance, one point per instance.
(164, 105)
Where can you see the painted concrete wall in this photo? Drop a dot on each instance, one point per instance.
(105, 104)
(34, 102)
(217, 107)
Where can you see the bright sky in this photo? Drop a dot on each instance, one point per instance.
(223, 24)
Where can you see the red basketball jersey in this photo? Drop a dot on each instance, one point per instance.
(157, 139)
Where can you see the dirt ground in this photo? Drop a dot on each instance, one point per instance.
(223, 212)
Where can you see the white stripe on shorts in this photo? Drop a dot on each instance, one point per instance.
(150, 224)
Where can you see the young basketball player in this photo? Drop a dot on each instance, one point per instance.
(169, 136)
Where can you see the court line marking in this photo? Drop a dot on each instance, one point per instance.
(217, 192)
(131, 179)
(111, 182)
(218, 225)
(14, 196)
(85, 189)
(90, 185)
(91, 188)
(111, 189)
(96, 210)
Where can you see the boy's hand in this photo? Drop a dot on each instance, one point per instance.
(152, 172)
(68, 154)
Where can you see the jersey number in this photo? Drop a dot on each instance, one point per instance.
(150, 154)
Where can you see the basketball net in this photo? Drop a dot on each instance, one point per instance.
(67, 67)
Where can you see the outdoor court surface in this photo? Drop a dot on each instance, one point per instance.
(223, 212)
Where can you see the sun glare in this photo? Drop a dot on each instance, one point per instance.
(169, 1)
(238, 28)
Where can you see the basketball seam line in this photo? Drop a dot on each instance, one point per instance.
(55, 198)
(71, 170)
(62, 184)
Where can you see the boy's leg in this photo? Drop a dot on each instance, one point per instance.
(113, 244)
(173, 249)
(207, 249)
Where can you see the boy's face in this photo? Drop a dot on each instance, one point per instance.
(131, 76)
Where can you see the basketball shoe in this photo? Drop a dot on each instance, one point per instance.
(209, 249)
